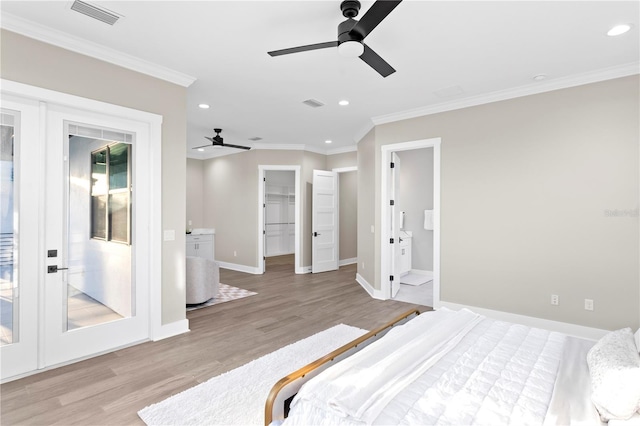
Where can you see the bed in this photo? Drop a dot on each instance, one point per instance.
(457, 367)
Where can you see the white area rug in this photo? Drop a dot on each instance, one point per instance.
(238, 397)
(225, 294)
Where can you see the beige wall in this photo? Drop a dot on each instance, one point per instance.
(348, 206)
(195, 194)
(528, 187)
(32, 62)
(231, 200)
(346, 159)
(236, 218)
(367, 209)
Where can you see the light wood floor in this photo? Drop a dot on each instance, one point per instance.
(110, 389)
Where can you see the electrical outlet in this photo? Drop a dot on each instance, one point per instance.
(588, 304)
(235, 253)
(555, 300)
(362, 265)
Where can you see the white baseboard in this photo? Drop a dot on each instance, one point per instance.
(303, 270)
(171, 329)
(351, 261)
(376, 294)
(561, 327)
(240, 268)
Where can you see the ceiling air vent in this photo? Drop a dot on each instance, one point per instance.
(95, 12)
(313, 103)
(255, 139)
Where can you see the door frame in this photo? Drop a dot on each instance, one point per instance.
(298, 216)
(385, 226)
(149, 196)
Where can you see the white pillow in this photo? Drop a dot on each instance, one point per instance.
(614, 365)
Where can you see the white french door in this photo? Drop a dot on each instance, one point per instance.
(93, 302)
(76, 213)
(324, 218)
(20, 247)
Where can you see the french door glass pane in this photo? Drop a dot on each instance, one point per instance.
(99, 284)
(8, 220)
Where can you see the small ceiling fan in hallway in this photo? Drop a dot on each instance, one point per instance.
(218, 140)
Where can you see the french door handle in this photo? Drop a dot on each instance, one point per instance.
(315, 234)
(54, 268)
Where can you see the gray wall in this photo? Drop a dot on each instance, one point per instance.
(534, 195)
(39, 64)
(416, 196)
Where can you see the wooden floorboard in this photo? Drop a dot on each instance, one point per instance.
(110, 389)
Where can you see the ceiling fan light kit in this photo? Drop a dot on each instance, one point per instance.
(351, 35)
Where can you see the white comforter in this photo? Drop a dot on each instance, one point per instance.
(461, 369)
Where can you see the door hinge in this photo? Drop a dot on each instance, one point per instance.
(264, 232)
(392, 164)
(392, 203)
(390, 277)
(390, 240)
(264, 179)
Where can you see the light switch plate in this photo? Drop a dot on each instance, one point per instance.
(169, 235)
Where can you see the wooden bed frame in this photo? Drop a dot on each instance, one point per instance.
(282, 393)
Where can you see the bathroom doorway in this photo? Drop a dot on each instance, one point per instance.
(410, 240)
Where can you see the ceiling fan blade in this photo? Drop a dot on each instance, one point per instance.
(376, 13)
(203, 146)
(376, 62)
(235, 146)
(303, 48)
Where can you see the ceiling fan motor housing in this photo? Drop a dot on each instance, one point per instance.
(350, 8)
(343, 31)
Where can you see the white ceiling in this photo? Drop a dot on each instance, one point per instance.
(446, 53)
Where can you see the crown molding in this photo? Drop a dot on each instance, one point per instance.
(280, 146)
(369, 125)
(342, 150)
(517, 92)
(274, 147)
(58, 38)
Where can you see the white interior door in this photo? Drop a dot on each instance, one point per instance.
(20, 172)
(94, 297)
(394, 184)
(324, 252)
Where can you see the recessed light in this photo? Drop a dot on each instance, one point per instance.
(539, 77)
(619, 29)
(343, 102)
(328, 141)
(201, 149)
(203, 106)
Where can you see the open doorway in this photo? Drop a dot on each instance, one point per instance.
(410, 222)
(279, 218)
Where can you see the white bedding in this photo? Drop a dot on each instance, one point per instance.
(497, 373)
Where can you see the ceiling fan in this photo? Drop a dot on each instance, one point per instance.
(217, 140)
(351, 34)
